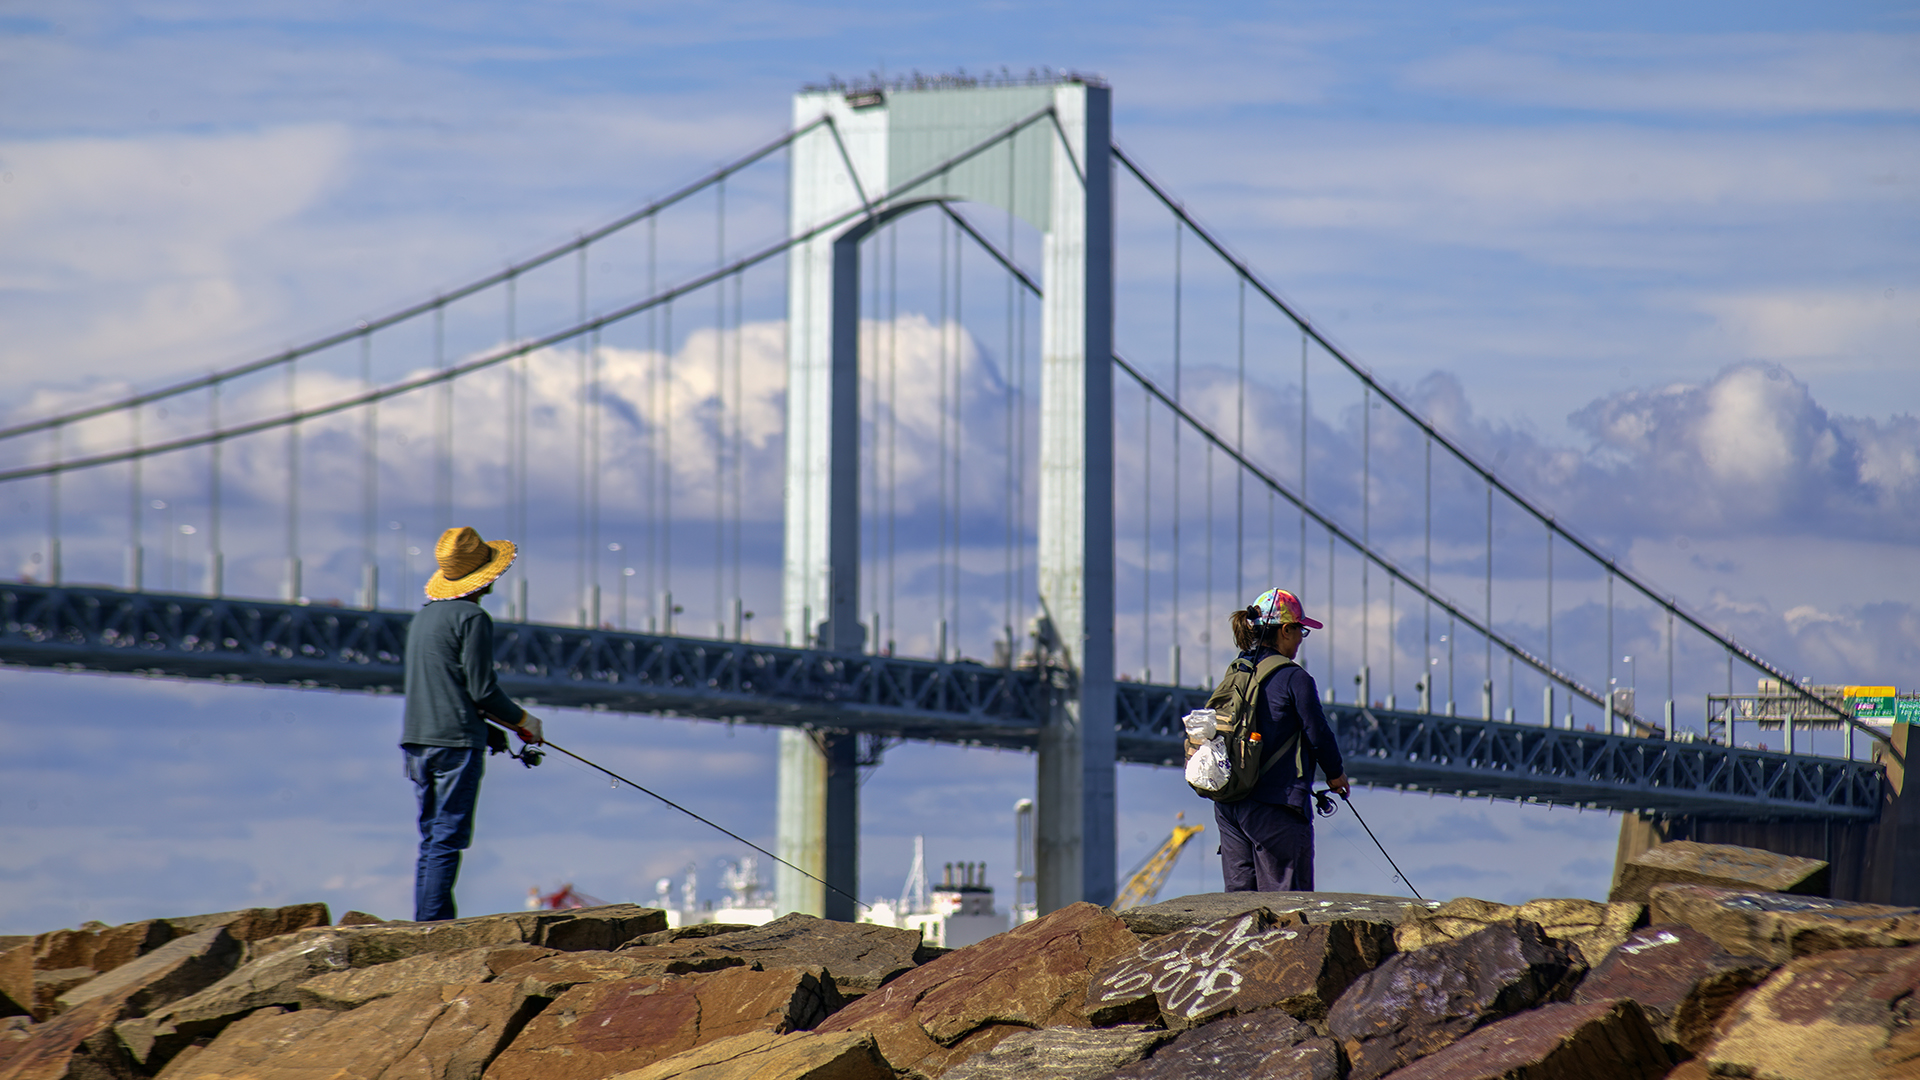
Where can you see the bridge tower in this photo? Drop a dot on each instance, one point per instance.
(1043, 154)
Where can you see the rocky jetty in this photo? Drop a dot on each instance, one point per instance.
(1708, 976)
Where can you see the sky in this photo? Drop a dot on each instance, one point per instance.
(1656, 261)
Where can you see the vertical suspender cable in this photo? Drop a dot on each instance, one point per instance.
(293, 487)
(593, 478)
(1366, 539)
(369, 484)
(216, 557)
(53, 510)
(1489, 607)
(1173, 647)
(959, 415)
(720, 413)
(1610, 675)
(940, 560)
(1006, 605)
(667, 416)
(651, 416)
(443, 472)
(1302, 582)
(739, 443)
(135, 553)
(515, 373)
(893, 419)
(1240, 444)
(1426, 590)
(1146, 536)
(1550, 625)
(582, 534)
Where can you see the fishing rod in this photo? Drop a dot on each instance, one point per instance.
(1323, 802)
(530, 756)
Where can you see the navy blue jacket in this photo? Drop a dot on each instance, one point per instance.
(1290, 702)
(449, 676)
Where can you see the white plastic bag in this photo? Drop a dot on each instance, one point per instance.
(1199, 724)
(1207, 768)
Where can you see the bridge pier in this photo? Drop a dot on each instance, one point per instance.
(1875, 862)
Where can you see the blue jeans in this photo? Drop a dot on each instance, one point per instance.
(1264, 847)
(447, 781)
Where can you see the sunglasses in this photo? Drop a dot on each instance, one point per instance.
(1304, 631)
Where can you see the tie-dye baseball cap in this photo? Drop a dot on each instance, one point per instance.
(1277, 606)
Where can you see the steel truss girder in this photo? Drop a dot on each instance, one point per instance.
(266, 643)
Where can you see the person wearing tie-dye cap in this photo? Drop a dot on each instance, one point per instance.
(1266, 839)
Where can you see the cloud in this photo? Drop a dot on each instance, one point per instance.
(1751, 74)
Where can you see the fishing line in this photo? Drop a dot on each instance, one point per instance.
(1323, 802)
(704, 821)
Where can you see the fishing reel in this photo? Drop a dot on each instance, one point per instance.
(1323, 803)
(528, 755)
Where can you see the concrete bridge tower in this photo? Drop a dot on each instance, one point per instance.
(1041, 152)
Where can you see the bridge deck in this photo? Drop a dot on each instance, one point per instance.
(962, 702)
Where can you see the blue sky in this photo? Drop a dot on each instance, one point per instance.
(1661, 257)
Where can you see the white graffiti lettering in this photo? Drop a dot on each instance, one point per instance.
(1194, 971)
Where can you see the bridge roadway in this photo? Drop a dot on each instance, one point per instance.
(961, 702)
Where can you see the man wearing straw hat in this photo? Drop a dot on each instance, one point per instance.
(450, 688)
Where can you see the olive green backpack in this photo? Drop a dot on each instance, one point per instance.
(1235, 723)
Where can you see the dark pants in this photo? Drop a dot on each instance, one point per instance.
(447, 781)
(1264, 847)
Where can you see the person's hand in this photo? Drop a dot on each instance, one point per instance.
(1339, 786)
(529, 729)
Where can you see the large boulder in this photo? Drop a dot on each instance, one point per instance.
(860, 956)
(1727, 866)
(1033, 976)
(1778, 926)
(762, 1055)
(78, 1045)
(1590, 927)
(1603, 1040)
(607, 927)
(552, 975)
(355, 987)
(16, 980)
(178, 969)
(1238, 965)
(1417, 1002)
(1267, 1045)
(1839, 1013)
(1682, 979)
(433, 1033)
(1201, 909)
(1061, 1054)
(597, 1029)
(272, 980)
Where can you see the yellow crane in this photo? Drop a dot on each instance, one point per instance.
(1144, 885)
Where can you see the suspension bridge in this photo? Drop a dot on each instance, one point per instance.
(1004, 471)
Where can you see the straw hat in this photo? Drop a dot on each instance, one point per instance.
(467, 563)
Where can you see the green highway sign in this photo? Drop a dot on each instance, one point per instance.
(1906, 710)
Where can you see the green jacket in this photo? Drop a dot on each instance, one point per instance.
(449, 676)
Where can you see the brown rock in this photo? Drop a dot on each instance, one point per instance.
(765, 1056)
(1694, 1069)
(607, 927)
(180, 968)
(255, 924)
(359, 918)
(1035, 975)
(358, 986)
(129, 941)
(1061, 1054)
(1682, 979)
(860, 956)
(49, 985)
(1592, 928)
(273, 980)
(684, 933)
(1841, 1013)
(435, 1033)
(1779, 927)
(673, 958)
(1417, 1002)
(248, 1045)
(1604, 1040)
(76, 1046)
(1238, 965)
(598, 1029)
(1727, 866)
(1201, 909)
(56, 950)
(16, 980)
(16, 1028)
(1266, 1045)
